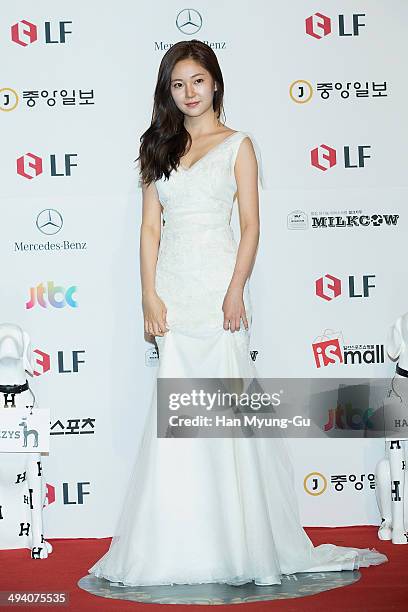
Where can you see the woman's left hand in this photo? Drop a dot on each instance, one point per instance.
(234, 309)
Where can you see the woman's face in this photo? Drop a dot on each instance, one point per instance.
(190, 83)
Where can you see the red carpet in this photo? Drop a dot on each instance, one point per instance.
(381, 588)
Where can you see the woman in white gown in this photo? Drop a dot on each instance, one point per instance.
(205, 509)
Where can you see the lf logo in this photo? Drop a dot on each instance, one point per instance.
(25, 33)
(74, 495)
(328, 286)
(50, 495)
(79, 495)
(325, 157)
(75, 361)
(30, 165)
(319, 25)
(43, 362)
(40, 295)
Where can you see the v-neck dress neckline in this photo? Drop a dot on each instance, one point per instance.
(208, 152)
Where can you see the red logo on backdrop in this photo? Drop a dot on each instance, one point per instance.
(323, 157)
(318, 25)
(42, 359)
(29, 165)
(24, 33)
(327, 349)
(328, 287)
(50, 495)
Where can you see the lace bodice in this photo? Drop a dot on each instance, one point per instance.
(203, 194)
(197, 252)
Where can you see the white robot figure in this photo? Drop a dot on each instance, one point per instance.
(391, 470)
(22, 490)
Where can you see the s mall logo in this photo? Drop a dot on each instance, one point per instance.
(329, 349)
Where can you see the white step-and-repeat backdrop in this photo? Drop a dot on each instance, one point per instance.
(322, 91)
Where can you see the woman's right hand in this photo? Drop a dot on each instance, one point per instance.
(154, 312)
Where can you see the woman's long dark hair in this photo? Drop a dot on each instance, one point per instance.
(165, 141)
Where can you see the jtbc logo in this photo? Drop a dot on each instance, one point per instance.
(328, 287)
(25, 33)
(31, 165)
(319, 25)
(348, 418)
(44, 296)
(325, 157)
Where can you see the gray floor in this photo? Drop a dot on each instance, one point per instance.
(293, 586)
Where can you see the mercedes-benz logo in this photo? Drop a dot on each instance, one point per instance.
(189, 21)
(49, 221)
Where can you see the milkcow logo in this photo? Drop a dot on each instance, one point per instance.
(299, 219)
(353, 220)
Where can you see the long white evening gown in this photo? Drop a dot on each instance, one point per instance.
(206, 509)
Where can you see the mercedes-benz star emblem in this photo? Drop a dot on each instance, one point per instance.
(49, 221)
(189, 21)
